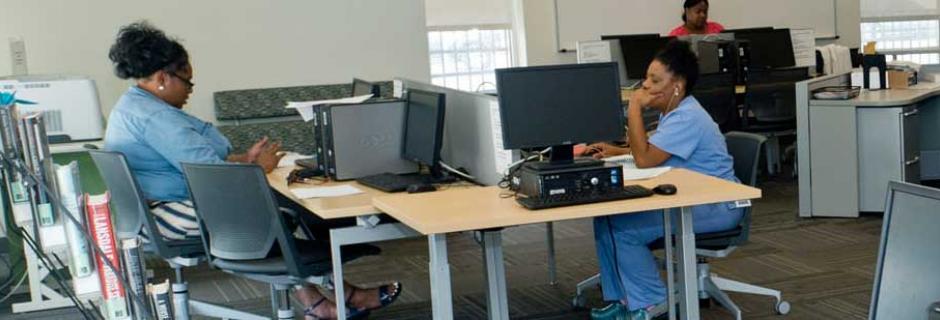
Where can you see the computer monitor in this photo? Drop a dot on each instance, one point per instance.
(769, 48)
(638, 52)
(559, 106)
(361, 87)
(748, 30)
(424, 128)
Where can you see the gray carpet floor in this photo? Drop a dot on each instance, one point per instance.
(823, 266)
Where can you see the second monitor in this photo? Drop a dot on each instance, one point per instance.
(560, 106)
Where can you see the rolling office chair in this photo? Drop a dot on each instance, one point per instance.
(770, 97)
(132, 214)
(241, 225)
(745, 149)
(715, 92)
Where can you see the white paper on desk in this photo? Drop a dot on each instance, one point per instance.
(290, 157)
(325, 192)
(305, 108)
(642, 174)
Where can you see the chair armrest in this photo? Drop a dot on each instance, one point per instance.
(298, 221)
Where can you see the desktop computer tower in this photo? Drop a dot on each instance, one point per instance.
(744, 59)
(717, 56)
(359, 140)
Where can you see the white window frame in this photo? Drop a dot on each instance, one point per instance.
(470, 71)
(894, 53)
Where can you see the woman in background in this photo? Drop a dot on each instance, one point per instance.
(695, 20)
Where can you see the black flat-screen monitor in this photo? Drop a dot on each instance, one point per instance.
(361, 87)
(638, 52)
(424, 127)
(559, 106)
(768, 48)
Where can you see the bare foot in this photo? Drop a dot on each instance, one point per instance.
(363, 299)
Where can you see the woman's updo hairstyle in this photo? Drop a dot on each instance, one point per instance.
(141, 49)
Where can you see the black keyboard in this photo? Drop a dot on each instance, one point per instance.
(390, 182)
(628, 192)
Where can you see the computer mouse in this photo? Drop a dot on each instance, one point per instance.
(665, 189)
(419, 188)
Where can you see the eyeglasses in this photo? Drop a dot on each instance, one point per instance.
(185, 81)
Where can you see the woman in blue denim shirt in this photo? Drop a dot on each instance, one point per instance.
(150, 128)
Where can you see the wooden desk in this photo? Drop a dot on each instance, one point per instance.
(438, 213)
(327, 208)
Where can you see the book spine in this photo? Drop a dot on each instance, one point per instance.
(70, 194)
(161, 300)
(46, 169)
(112, 291)
(134, 270)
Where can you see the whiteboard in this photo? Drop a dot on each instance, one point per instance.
(578, 20)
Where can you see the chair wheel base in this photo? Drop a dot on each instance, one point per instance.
(782, 308)
(578, 302)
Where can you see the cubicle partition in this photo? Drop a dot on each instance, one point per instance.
(848, 150)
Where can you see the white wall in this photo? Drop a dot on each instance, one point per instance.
(539, 19)
(443, 13)
(235, 44)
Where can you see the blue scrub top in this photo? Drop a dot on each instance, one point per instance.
(689, 134)
(156, 138)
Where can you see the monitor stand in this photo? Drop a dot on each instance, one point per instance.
(563, 158)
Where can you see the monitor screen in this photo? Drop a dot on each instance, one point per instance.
(559, 105)
(769, 48)
(638, 52)
(362, 87)
(424, 127)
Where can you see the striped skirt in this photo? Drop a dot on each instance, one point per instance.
(175, 220)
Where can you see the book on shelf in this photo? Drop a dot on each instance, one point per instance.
(112, 289)
(134, 270)
(161, 299)
(70, 193)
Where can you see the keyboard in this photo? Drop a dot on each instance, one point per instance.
(390, 182)
(628, 192)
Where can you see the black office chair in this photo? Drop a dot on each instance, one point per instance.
(716, 94)
(770, 107)
(132, 214)
(745, 149)
(245, 234)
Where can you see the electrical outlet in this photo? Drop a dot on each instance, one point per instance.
(18, 56)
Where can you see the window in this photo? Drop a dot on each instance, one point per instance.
(904, 30)
(907, 40)
(465, 59)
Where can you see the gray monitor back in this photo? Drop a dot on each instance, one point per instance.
(907, 277)
(367, 139)
(472, 132)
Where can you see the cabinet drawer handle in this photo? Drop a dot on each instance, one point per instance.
(916, 160)
(910, 113)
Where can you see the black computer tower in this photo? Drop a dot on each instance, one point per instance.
(744, 59)
(717, 56)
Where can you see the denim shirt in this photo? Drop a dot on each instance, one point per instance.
(156, 138)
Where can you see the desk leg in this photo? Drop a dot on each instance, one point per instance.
(550, 235)
(688, 275)
(441, 296)
(497, 303)
(670, 267)
(339, 294)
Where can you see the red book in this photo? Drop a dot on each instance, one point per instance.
(99, 223)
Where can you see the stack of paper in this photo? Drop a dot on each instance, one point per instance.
(305, 108)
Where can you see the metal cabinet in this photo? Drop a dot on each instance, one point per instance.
(888, 149)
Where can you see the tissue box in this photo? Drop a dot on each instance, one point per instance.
(898, 79)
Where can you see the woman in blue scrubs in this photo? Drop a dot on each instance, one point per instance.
(686, 138)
